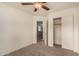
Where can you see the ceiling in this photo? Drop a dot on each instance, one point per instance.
(54, 6)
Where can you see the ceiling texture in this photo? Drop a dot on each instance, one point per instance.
(54, 6)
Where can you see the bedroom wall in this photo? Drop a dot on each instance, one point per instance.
(68, 14)
(16, 30)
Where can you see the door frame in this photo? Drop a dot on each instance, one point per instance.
(54, 30)
(35, 31)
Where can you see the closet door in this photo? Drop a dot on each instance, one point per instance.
(67, 32)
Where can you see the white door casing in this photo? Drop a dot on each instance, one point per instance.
(45, 32)
(44, 20)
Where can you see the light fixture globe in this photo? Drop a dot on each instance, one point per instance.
(37, 5)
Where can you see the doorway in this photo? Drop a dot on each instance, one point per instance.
(40, 31)
(57, 32)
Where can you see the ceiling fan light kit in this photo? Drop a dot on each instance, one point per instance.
(37, 5)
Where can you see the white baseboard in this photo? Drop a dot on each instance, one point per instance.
(19, 47)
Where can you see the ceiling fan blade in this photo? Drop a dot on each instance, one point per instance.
(35, 9)
(45, 7)
(43, 2)
(27, 3)
(40, 2)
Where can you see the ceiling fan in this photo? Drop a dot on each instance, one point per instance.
(37, 5)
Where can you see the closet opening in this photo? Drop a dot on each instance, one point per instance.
(57, 41)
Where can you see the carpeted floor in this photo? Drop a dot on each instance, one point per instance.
(41, 50)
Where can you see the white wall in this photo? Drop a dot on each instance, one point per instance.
(63, 13)
(15, 29)
(50, 30)
(67, 32)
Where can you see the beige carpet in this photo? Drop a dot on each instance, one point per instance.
(41, 50)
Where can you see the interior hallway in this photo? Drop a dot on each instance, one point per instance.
(40, 49)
